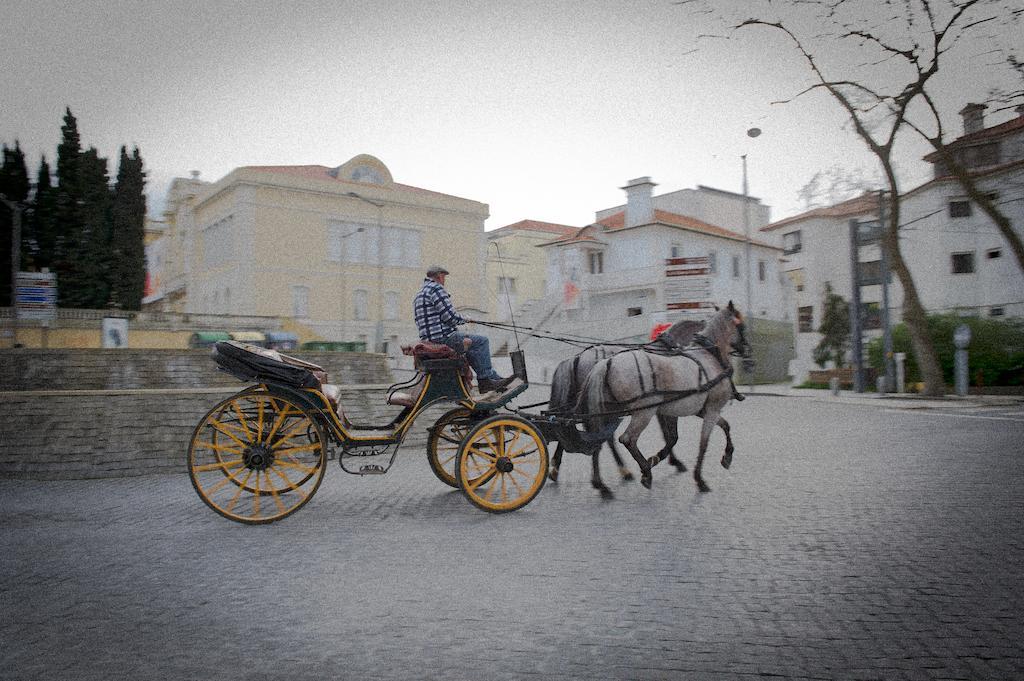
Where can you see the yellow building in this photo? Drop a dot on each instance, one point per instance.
(516, 268)
(339, 251)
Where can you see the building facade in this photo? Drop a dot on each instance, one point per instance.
(617, 268)
(959, 261)
(516, 267)
(340, 251)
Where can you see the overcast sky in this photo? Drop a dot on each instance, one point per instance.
(541, 109)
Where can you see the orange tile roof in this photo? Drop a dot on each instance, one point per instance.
(859, 205)
(538, 226)
(324, 173)
(995, 131)
(618, 220)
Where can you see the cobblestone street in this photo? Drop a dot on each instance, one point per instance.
(847, 541)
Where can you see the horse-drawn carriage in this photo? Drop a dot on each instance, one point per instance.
(260, 455)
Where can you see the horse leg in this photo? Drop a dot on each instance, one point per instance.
(705, 434)
(637, 422)
(727, 457)
(595, 474)
(556, 461)
(623, 471)
(670, 431)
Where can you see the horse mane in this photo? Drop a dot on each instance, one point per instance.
(717, 328)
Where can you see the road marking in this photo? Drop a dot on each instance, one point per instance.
(953, 413)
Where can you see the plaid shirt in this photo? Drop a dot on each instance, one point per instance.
(436, 319)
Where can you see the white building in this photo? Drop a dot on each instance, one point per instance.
(616, 269)
(958, 259)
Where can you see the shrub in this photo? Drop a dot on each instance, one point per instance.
(995, 355)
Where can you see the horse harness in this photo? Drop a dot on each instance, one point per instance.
(666, 347)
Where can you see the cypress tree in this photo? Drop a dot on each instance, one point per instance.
(69, 237)
(94, 260)
(14, 186)
(41, 225)
(128, 232)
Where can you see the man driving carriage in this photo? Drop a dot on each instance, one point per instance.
(437, 319)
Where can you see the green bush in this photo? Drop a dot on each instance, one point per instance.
(995, 355)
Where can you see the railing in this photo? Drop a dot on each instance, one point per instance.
(174, 319)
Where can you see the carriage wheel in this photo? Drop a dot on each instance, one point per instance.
(502, 464)
(443, 444)
(255, 458)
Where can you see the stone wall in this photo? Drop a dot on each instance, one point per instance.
(111, 413)
(100, 434)
(125, 369)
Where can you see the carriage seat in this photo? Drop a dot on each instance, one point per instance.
(429, 350)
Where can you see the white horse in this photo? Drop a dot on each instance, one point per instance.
(691, 381)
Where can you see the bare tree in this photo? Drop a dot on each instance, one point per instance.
(891, 52)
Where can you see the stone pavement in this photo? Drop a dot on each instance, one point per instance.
(847, 541)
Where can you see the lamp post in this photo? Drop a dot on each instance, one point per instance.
(748, 365)
(378, 341)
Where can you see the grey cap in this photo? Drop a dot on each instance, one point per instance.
(436, 269)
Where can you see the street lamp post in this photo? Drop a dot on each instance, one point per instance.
(378, 341)
(748, 366)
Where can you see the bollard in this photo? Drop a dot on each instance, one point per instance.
(833, 385)
(901, 372)
(880, 385)
(961, 339)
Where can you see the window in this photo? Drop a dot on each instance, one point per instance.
(300, 301)
(963, 263)
(596, 261)
(805, 317)
(983, 155)
(634, 311)
(506, 285)
(676, 251)
(791, 242)
(712, 262)
(360, 303)
(355, 243)
(762, 269)
(994, 253)
(735, 267)
(797, 277)
(391, 305)
(996, 312)
(959, 209)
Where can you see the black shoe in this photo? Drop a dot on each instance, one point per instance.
(736, 395)
(494, 385)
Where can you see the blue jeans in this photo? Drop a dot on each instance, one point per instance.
(479, 354)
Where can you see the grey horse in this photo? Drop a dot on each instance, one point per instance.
(567, 386)
(690, 381)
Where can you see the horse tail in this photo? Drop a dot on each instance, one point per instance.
(592, 397)
(562, 389)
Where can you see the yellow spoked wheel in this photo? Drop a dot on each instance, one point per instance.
(256, 458)
(443, 444)
(502, 463)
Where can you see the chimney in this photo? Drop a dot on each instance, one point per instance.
(974, 117)
(639, 202)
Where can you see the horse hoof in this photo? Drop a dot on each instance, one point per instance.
(606, 493)
(646, 481)
(726, 461)
(680, 466)
(626, 475)
(553, 474)
(702, 486)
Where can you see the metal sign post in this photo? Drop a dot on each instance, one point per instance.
(961, 339)
(855, 309)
